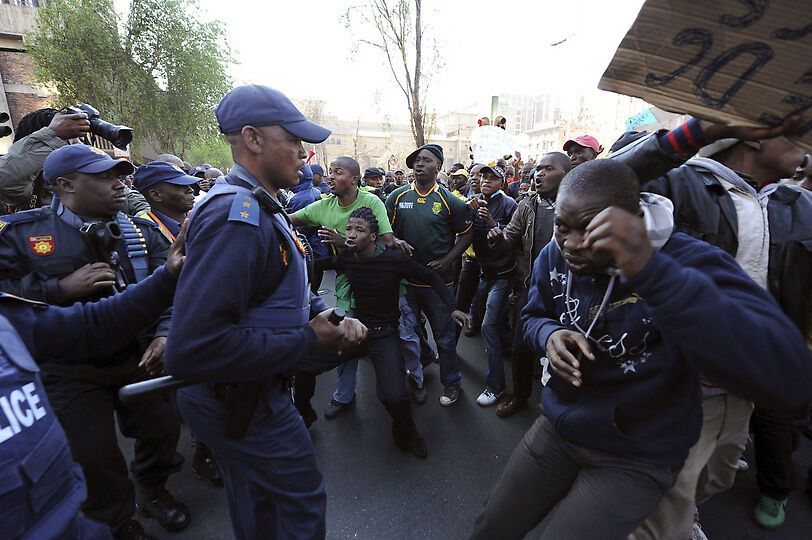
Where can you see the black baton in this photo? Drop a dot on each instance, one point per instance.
(168, 382)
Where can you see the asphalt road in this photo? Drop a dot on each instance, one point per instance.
(376, 491)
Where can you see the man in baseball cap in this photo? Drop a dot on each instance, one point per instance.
(582, 148)
(169, 193)
(82, 159)
(257, 105)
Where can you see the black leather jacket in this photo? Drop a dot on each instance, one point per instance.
(704, 210)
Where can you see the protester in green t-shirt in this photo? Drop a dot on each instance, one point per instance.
(331, 214)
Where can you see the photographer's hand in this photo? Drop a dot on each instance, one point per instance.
(70, 125)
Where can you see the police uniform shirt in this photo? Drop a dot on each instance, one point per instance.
(429, 222)
(233, 263)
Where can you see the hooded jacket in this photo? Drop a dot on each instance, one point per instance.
(691, 310)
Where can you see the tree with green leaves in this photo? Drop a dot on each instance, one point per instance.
(161, 69)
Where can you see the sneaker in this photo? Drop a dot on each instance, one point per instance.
(488, 397)
(742, 465)
(418, 391)
(336, 407)
(450, 395)
(769, 513)
(697, 533)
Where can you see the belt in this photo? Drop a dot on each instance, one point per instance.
(383, 328)
(275, 383)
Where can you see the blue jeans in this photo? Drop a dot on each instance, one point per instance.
(347, 374)
(409, 342)
(494, 293)
(425, 300)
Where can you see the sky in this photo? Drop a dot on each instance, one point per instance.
(487, 48)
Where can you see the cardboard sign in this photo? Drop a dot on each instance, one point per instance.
(747, 62)
(490, 143)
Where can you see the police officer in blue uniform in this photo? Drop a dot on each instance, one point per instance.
(242, 319)
(168, 190)
(41, 488)
(64, 253)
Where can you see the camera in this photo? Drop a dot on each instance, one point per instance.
(119, 136)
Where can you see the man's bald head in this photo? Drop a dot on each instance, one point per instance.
(212, 174)
(561, 159)
(609, 181)
(170, 158)
(350, 164)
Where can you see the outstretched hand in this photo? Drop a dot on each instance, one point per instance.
(714, 132)
(177, 252)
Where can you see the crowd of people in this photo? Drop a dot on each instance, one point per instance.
(659, 294)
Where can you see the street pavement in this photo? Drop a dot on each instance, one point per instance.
(376, 491)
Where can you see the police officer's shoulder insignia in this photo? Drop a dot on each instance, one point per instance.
(6, 297)
(245, 209)
(42, 245)
(26, 216)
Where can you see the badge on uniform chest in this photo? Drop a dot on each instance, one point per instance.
(42, 246)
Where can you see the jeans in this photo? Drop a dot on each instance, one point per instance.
(425, 300)
(345, 384)
(409, 342)
(523, 358)
(467, 298)
(592, 493)
(495, 293)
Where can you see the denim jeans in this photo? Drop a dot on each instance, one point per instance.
(495, 293)
(409, 342)
(347, 373)
(425, 300)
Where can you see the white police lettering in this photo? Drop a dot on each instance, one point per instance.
(405, 205)
(21, 408)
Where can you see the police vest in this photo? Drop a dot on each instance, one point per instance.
(41, 488)
(289, 305)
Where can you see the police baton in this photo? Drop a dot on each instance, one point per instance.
(168, 382)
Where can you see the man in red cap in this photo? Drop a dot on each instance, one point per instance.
(582, 148)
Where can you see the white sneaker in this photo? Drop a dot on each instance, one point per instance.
(696, 532)
(742, 465)
(488, 398)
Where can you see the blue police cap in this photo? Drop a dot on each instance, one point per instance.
(156, 172)
(258, 105)
(316, 169)
(80, 158)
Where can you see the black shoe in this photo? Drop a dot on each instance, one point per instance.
(335, 408)
(419, 393)
(205, 466)
(171, 514)
(131, 530)
(427, 360)
(473, 331)
(414, 443)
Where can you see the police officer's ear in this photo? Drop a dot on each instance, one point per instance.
(64, 184)
(154, 195)
(252, 139)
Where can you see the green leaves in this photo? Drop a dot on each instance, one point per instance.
(161, 71)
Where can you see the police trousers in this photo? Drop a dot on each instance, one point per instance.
(86, 407)
(273, 484)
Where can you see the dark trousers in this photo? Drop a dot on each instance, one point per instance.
(272, 482)
(85, 408)
(598, 494)
(774, 441)
(382, 347)
(522, 356)
(466, 291)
